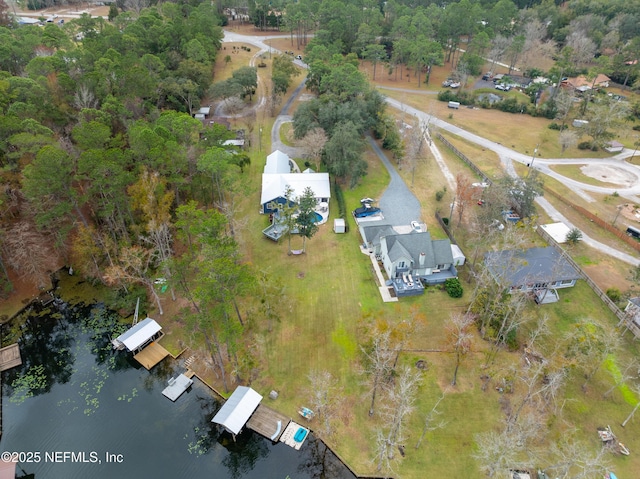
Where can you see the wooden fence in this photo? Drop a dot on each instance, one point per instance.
(624, 319)
(461, 155)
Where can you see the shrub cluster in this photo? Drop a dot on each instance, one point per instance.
(453, 287)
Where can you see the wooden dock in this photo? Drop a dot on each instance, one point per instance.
(269, 423)
(290, 435)
(151, 355)
(10, 357)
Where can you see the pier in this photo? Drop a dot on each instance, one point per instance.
(10, 357)
(151, 355)
(268, 422)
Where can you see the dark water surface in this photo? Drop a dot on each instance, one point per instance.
(74, 394)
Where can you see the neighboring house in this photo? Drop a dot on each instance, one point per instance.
(277, 177)
(532, 269)
(413, 259)
(581, 83)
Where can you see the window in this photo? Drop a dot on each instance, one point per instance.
(401, 264)
(441, 266)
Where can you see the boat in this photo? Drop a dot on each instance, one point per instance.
(306, 413)
(366, 210)
(300, 434)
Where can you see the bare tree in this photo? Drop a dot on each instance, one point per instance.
(459, 337)
(429, 421)
(396, 406)
(313, 143)
(29, 253)
(567, 139)
(380, 359)
(464, 195)
(583, 47)
(326, 401)
(576, 460)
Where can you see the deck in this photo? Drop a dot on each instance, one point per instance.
(177, 386)
(10, 357)
(151, 355)
(289, 434)
(265, 421)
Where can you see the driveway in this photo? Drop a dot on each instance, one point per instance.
(399, 206)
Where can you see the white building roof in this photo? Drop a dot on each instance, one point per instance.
(204, 110)
(233, 143)
(235, 413)
(558, 231)
(277, 162)
(139, 334)
(274, 185)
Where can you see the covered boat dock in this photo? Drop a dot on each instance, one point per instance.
(237, 410)
(10, 357)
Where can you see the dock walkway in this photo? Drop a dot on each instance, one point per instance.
(151, 355)
(10, 357)
(269, 423)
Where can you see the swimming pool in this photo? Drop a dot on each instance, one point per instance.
(318, 217)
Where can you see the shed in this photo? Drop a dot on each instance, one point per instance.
(339, 225)
(557, 231)
(235, 413)
(580, 123)
(458, 256)
(139, 335)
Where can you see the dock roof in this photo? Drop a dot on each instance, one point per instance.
(235, 413)
(139, 334)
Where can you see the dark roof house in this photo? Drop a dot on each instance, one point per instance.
(531, 269)
(413, 259)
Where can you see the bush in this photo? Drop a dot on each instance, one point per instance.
(440, 194)
(453, 287)
(614, 294)
(342, 207)
(636, 127)
(584, 145)
(555, 126)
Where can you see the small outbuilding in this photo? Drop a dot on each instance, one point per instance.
(237, 410)
(557, 231)
(339, 226)
(614, 147)
(458, 256)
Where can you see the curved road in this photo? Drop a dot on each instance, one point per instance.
(507, 156)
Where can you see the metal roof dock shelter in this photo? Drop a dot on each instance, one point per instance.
(237, 410)
(139, 335)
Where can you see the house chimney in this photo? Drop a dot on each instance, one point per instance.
(422, 258)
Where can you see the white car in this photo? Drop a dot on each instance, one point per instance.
(417, 227)
(455, 84)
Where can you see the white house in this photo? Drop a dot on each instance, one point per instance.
(277, 177)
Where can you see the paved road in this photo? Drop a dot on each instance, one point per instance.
(506, 155)
(398, 204)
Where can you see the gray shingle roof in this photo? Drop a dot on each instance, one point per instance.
(534, 265)
(412, 245)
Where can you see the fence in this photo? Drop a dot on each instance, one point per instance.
(597, 220)
(623, 317)
(461, 155)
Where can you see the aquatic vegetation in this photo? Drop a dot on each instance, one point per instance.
(27, 385)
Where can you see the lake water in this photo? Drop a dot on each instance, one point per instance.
(78, 409)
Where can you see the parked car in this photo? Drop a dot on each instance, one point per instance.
(417, 227)
(502, 87)
(455, 84)
(487, 76)
(447, 82)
